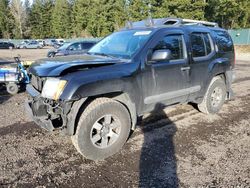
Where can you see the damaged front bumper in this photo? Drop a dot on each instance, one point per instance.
(48, 114)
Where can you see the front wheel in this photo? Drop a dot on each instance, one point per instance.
(214, 97)
(50, 55)
(102, 130)
(12, 88)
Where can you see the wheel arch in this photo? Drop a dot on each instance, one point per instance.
(227, 77)
(79, 106)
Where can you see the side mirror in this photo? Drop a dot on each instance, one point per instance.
(161, 55)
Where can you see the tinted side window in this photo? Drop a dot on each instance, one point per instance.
(75, 47)
(87, 45)
(223, 41)
(198, 47)
(174, 43)
(201, 44)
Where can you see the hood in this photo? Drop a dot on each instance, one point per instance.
(52, 67)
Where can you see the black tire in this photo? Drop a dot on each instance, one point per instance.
(208, 106)
(98, 108)
(50, 55)
(12, 88)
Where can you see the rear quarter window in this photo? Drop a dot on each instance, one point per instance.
(87, 45)
(201, 44)
(223, 41)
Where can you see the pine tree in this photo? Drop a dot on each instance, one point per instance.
(159, 8)
(138, 10)
(6, 20)
(80, 17)
(192, 9)
(27, 29)
(106, 16)
(46, 20)
(229, 13)
(19, 13)
(61, 19)
(35, 19)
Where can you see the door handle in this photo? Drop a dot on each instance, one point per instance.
(185, 68)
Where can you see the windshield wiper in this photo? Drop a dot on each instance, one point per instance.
(101, 54)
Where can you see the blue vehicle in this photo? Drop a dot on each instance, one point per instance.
(14, 77)
(73, 48)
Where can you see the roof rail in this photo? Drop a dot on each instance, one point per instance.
(169, 21)
(205, 23)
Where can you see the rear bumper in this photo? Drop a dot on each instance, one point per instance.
(230, 79)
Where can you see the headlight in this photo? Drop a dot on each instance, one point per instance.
(53, 88)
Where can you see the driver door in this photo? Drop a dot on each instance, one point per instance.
(75, 49)
(166, 81)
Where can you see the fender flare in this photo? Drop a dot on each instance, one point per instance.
(73, 115)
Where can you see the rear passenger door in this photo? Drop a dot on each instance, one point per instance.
(202, 55)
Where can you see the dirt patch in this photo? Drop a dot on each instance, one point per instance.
(26, 54)
(242, 48)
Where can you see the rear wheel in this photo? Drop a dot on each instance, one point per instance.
(12, 88)
(214, 97)
(102, 130)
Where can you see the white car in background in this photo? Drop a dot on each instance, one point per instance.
(41, 42)
(30, 45)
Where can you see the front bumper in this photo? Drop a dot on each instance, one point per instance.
(48, 114)
(43, 121)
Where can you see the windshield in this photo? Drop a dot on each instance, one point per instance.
(122, 44)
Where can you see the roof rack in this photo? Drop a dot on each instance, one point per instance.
(169, 21)
(205, 23)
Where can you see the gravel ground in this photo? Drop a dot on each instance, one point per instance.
(26, 54)
(177, 147)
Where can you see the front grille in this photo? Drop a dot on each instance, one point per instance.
(37, 82)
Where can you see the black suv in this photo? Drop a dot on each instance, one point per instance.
(96, 98)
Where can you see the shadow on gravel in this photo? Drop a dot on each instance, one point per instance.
(19, 129)
(158, 162)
